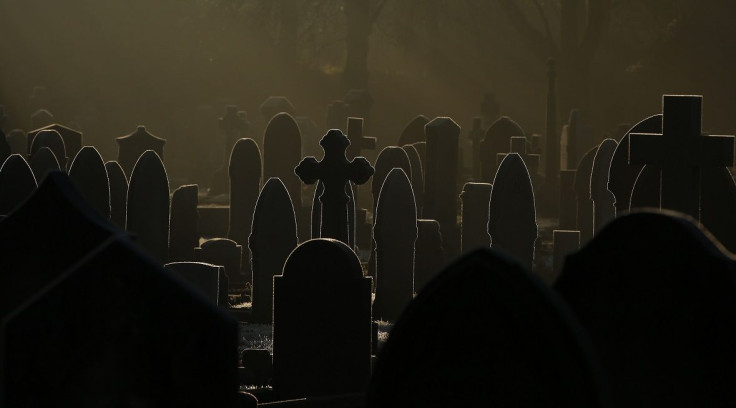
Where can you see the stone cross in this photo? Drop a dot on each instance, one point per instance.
(334, 171)
(358, 142)
(681, 151)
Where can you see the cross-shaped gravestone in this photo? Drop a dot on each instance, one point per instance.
(681, 151)
(476, 136)
(334, 171)
(358, 142)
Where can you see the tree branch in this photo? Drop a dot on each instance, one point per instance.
(534, 39)
(547, 30)
(599, 16)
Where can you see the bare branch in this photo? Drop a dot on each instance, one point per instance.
(599, 16)
(534, 39)
(545, 22)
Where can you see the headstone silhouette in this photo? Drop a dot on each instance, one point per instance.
(657, 297)
(43, 162)
(430, 254)
(440, 179)
(476, 198)
(527, 352)
(330, 352)
(16, 183)
(334, 171)
(512, 219)
(118, 193)
(148, 205)
(417, 174)
(245, 184)
(274, 105)
(51, 139)
(281, 153)
(202, 276)
(226, 253)
(65, 229)
(272, 239)
(132, 146)
(395, 234)
(603, 209)
(89, 175)
(518, 144)
(622, 175)
(681, 152)
(389, 158)
(183, 232)
(496, 140)
(582, 193)
(414, 131)
(119, 345)
(72, 138)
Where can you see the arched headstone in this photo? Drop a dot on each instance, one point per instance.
(16, 183)
(89, 175)
(118, 192)
(183, 232)
(148, 205)
(43, 162)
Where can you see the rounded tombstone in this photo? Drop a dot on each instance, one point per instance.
(53, 140)
(43, 162)
(89, 175)
(16, 183)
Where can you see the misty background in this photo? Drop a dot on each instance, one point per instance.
(173, 65)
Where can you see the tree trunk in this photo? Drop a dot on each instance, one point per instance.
(355, 74)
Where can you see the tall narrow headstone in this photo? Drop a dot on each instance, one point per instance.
(89, 176)
(476, 198)
(183, 232)
(603, 208)
(334, 171)
(395, 234)
(622, 175)
(149, 341)
(584, 216)
(272, 238)
(148, 205)
(414, 131)
(389, 158)
(17, 183)
(328, 353)
(440, 182)
(658, 299)
(520, 345)
(118, 193)
(512, 218)
(496, 140)
(282, 151)
(43, 162)
(417, 174)
(430, 254)
(245, 184)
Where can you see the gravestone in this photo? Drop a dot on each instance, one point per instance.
(603, 208)
(681, 151)
(584, 217)
(41, 118)
(430, 255)
(512, 219)
(497, 336)
(645, 193)
(118, 193)
(414, 131)
(564, 242)
(328, 353)
(272, 238)
(183, 232)
(245, 184)
(496, 140)
(717, 204)
(518, 144)
(337, 115)
(395, 233)
(334, 171)
(51, 139)
(622, 175)
(389, 158)
(657, 297)
(17, 183)
(417, 174)
(65, 229)
(73, 346)
(72, 138)
(274, 105)
(440, 179)
(358, 142)
(475, 134)
(132, 146)
(18, 142)
(476, 198)
(201, 276)
(43, 162)
(351, 215)
(421, 148)
(310, 135)
(282, 151)
(226, 253)
(147, 205)
(89, 176)
(568, 204)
